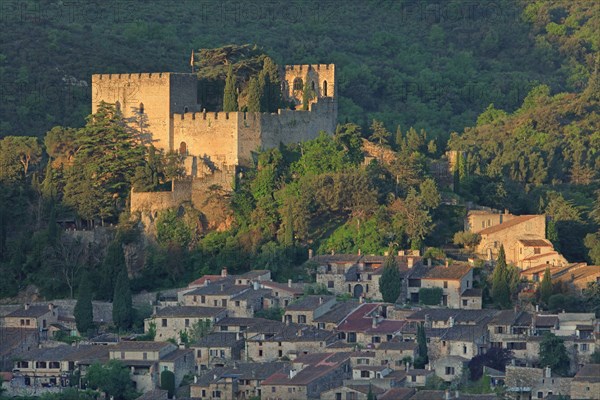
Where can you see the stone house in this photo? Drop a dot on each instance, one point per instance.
(579, 276)
(236, 381)
(454, 281)
(292, 341)
(306, 309)
(478, 220)
(257, 275)
(310, 376)
(356, 275)
(148, 359)
(450, 368)
(418, 377)
(370, 372)
(284, 293)
(586, 383)
(53, 366)
(526, 383)
(217, 294)
(14, 341)
(170, 321)
(509, 329)
(247, 326)
(218, 348)
(367, 325)
(332, 318)
(393, 352)
(351, 392)
(32, 317)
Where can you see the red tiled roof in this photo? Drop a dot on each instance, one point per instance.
(201, 281)
(508, 224)
(536, 242)
(535, 257)
(397, 393)
(358, 321)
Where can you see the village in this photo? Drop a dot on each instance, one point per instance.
(334, 339)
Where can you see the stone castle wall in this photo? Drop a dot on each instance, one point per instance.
(321, 79)
(181, 191)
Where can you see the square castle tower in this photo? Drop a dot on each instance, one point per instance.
(164, 106)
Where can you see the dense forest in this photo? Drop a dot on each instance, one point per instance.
(513, 89)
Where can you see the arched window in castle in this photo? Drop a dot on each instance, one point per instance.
(183, 149)
(185, 110)
(312, 86)
(324, 88)
(298, 84)
(141, 108)
(117, 106)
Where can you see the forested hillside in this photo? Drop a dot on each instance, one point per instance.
(513, 89)
(428, 64)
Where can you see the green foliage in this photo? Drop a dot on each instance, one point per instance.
(230, 96)
(17, 155)
(546, 287)
(553, 354)
(122, 303)
(390, 281)
(370, 394)
(591, 295)
(307, 93)
(559, 302)
(83, 312)
(199, 329)
(592, 243)
(379, 134)
(172, 230)
(423, 358)
(430, 296)
(112, 379)
(595, 357)
(167, 382)
(467, 239)
(254, 95)
(273, 313)
(150, 334)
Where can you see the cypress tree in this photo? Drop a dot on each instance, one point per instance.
(272, 86)
(500, 284)
(230, 96)
(552, 234)
(113, 264)
(307, 94)
(546, 287)
(371, 395)
(122, 302)
(167, 382)
(84, 311)
(389, 283)
(254, 95)
(423, 357)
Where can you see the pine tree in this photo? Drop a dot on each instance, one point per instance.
(254, 95)
(389, 283)
(552, 234)
(546, 287)
(553, 354)
(230, 103)
(84, 311)
(122, 302)
(500, 284)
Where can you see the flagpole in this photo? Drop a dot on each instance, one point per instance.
(192, 61)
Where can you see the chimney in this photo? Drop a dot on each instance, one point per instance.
(207, 282)
(457, 394)
(292, 373)
(222, 287)
(26, 306)
(289, 283)
(548, 372)
(310, 253)
(410, 262)
(361, 299)
(451, 322)
(407, 365)
(506, 211)
(195, 379)
(224, 272)
(320, 300)
(374, 322)
(50, 306)
(428, 367)
(255, 285)
(537, 308)
(446, 263)
(429, 262)
(447, 395)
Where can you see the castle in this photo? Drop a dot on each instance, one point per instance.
(165, 108)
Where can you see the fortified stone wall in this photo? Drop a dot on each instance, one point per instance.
(321, 80)
(152, 202)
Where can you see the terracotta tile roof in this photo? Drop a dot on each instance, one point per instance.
(589, 373)
(359, 320)
(397, 393)
(296, 289)
(452, 272)
(310, 373)
(508, 224)
(538, 256)
(536, 242)
(201, 281)
(188, 311)
(30, 312)
(338, 312)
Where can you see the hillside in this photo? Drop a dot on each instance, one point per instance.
(431, 65)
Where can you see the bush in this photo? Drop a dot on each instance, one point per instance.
(430, 296)
(167, 382)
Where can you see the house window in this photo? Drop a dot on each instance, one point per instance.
(324, 88)
(141, 108)
(483, 224)
(413, 378)
(449, 370)
(338, 396)
(224, 303)
(298, 84)
(217, 394)
(260, 353)
(330, 284)
(364, 374)
(464, 349)
(272, 389)
(301, 319)
(445, 284)
(203, 393)
(164, 322)
(465, 302)
(203, 299)
(22, 322)
(187, 322)
(499, 329)
(536, 250)
(540, 395)
(215, 303)
(237, 303)
(145, 356)
(122, 355)
(198, 353)
(376, 339)
(280, 353)
(321, 325)
(183, 149)
(443, 343)
(584, 346)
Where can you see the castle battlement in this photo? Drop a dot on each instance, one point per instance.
(308, 67)
(140, 75)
